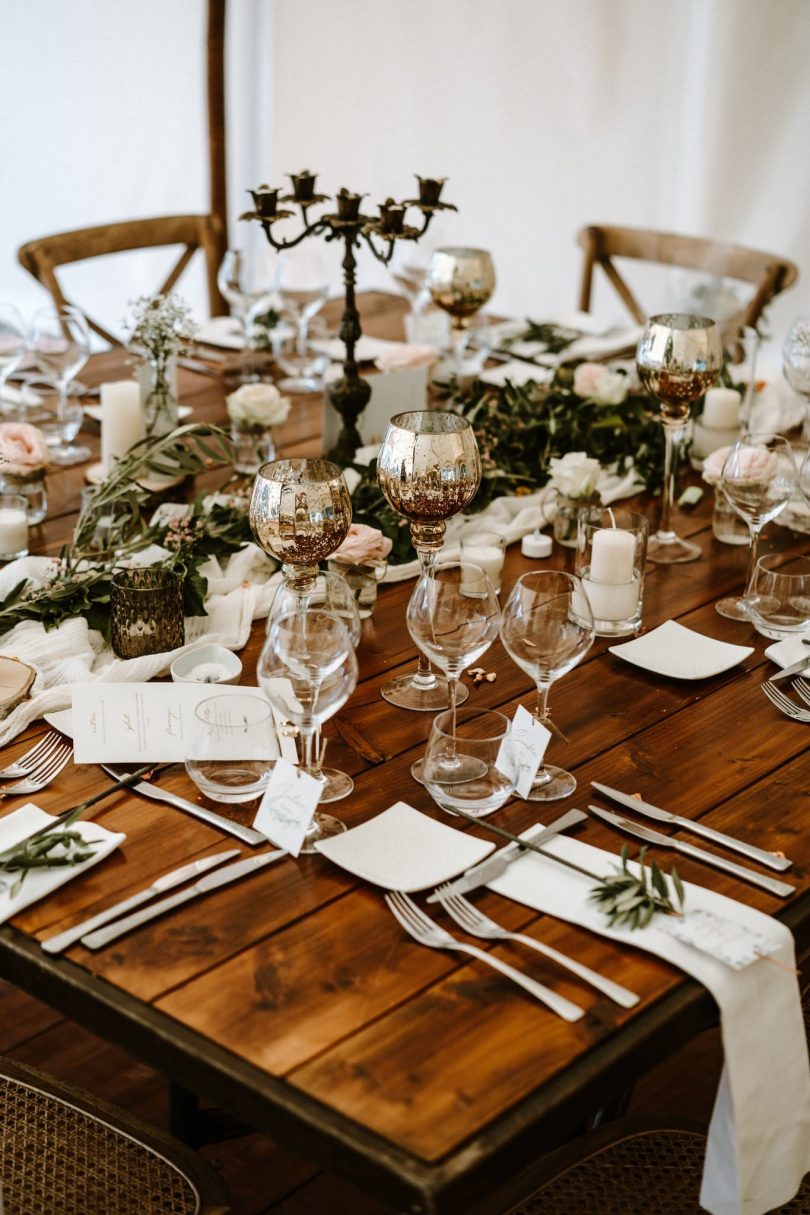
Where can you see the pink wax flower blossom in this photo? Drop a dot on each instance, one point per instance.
(23, 449)
(363, 544)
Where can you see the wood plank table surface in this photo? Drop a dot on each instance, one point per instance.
(295, 1001)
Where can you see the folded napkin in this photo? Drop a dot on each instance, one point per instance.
(223, 331)
(792, 649)
(759, 1138)
(39, 882)
(366, 350)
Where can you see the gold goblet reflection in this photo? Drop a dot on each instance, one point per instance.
(428, 469)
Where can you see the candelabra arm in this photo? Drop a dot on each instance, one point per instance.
(313, 229)
(382, 255)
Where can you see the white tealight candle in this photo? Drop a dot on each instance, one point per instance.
(122, 421)
(721, 409)
(13, 532)
(612, 555)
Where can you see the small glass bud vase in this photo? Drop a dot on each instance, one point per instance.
(728, 527)
(567, 519)
(30, 486)
(362, 580)
(252, 447)
(158, 381)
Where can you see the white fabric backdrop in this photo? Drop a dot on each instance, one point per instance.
(543, 114)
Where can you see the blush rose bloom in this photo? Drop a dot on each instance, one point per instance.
(754, 463)
(23, 449)
(574, 475)
(363, 544)
(257, 405)
(595, 382)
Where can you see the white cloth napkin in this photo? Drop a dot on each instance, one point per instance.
(222, 331)
(792, 649)
(759, 1137)
(73, 653)
(39, 882)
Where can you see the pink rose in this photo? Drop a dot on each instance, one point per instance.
(363, 544)
(596, 382)
(23, 449)
(752, 464)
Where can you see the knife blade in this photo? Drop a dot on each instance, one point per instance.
(789, 672)
(697, 828)
(167, 881)
(248, 835)
(497, 864)
(222, 877)
(782, 889)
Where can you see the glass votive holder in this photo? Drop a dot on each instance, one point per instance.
(231, 747)
(727, 526)
(611, 552)
(779, 596)
(146, 612)
(480, 544)
(362, 580)
(13, 526)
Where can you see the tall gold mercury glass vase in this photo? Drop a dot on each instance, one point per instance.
(429, 469)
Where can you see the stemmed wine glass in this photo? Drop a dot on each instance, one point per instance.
(302, 282)
(546, 628)
(453, 616)
(796, 363)
(246, 282)
(678, 358)
(429, 469)
(60, 342)
(460, 282)
(300, 512)
(759, 480)
(13, 341)
(308, 670)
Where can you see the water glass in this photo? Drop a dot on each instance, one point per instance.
(481, 742)
(232, 747)
(780, 596)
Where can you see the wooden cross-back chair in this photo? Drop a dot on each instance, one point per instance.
(767, 273)
(43, 257)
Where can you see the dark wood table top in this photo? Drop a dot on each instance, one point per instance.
(295, 1000)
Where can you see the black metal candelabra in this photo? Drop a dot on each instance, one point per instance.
(350, 394)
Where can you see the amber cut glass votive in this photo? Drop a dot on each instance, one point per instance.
(146, 609)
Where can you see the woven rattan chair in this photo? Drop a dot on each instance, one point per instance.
(43, 257)
(765, 272)
(63, 1152)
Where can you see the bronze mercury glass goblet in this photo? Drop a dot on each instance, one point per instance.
(678, 358)
(460, 282)
(300, 512)
(428, 469)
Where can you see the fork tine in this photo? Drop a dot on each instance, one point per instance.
(53, 764)
(784, 703)
(401, 915)
(803, 688)
(21, 766)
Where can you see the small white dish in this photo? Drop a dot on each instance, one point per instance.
(402, 849)
(208, 664)
(680, 653)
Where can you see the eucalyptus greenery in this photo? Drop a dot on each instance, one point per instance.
(630, 900)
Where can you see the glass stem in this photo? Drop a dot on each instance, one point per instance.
(424, 677)
(672, 437)
(61, 413)
(752, 563)
(302, 337)
(452, 685)
(541, 713)
(307, 733)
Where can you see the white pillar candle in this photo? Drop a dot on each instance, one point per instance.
(487, 557)
(13, 532)
(721, 409)
(612, 602)
(122, 422)
(612, 555)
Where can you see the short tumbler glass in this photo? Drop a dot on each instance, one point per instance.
(146, 612)
(482, 735)
(232, 749)
(780, 596)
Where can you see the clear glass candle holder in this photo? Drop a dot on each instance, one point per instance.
(252, 447)
(30, 486)
(611, 553)
(13, 526)
(485, 547)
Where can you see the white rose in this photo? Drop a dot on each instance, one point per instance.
(595, 382)
(257, 405)
(574, 475)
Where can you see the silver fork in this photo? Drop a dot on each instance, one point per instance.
(426, 932)
(803, 688)
(42, 775)
(784, 703)
(479, 925)
(24, 765)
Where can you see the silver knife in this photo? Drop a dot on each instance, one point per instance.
(697, 828)
(789, 672)
(248, 835)
(698, 854)
(497, 864)
(168, 881)
(231, 873)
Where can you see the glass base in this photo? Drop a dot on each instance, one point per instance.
(74, 453)
(323, 828)
(667, 549)
(733, 609)
(294, 383)
(336, 785)
(453, 772)
(406, 693)
(551, 784)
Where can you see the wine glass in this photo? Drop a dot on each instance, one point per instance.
(302, 282)
(546, 628)
(308, 670)
(246, 282)
(331, 593)
(479, 738)
(453, 617)
(408, 268)
(759, 480)
(796, 363)
(460, 282)
(13, 342)
(428, 469)
(678, 358)
(300, 512)
(60, 343)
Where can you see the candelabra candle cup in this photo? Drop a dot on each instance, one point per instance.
(146, 612)
(13, 526)
(265, 201)
(485, 548)
(611, 552)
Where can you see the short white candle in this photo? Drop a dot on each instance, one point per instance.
(488, 557)
(13, 531)
(612, 602)
(721, 409)
(612, 555)
(122, 421)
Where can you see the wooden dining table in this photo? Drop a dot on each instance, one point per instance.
(294, 1001)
